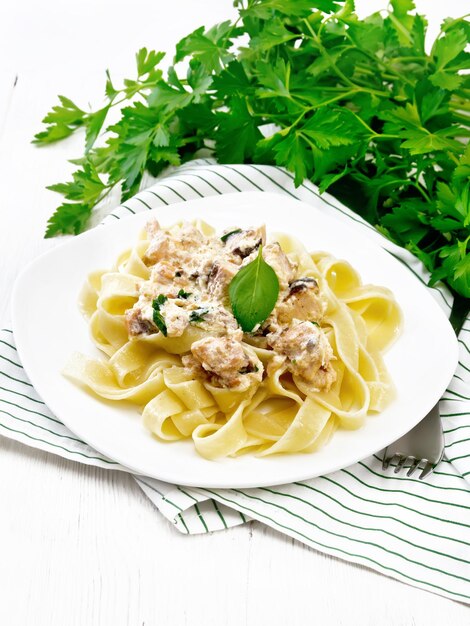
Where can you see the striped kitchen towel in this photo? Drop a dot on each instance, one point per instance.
(417, 532)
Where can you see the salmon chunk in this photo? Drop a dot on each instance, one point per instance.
(308, 353)
(302, 302)
(224, 362)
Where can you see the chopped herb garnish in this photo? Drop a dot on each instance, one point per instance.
(229, 234)
(198, 315)
(314, 323)
(160, 299)
(158, 318)
(183, 294)
(159, 321)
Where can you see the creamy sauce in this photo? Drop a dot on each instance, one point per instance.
(190, 277)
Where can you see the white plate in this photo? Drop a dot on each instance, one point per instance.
(48, 328)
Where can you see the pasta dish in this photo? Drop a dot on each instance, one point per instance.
(237, 341)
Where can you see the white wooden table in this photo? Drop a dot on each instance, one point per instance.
(83, 546)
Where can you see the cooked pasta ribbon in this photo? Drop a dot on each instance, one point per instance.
(281, 412)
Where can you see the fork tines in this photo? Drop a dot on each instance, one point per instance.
(402, 460)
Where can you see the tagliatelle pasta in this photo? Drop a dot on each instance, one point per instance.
(171, 343)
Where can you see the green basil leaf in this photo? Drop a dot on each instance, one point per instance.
(253, 293)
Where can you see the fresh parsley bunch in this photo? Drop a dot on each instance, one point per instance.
(361, 109)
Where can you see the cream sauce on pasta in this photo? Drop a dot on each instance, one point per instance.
(162, 317)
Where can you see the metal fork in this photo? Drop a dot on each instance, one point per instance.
(423, 444)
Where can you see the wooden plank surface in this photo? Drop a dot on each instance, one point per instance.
(83, 546)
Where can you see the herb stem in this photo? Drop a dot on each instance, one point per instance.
(399, 26)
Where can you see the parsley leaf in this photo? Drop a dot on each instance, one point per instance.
(84, 191)
(209, 47)
(295, 154)
(356, 105)
(68, 219)
(61, 122)
(240, 122)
